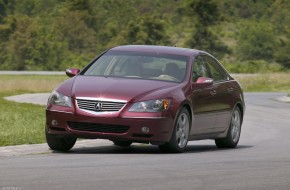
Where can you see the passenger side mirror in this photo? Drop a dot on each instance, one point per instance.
(203, 82)
(72, 72)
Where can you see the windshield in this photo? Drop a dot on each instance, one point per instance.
(149, 66)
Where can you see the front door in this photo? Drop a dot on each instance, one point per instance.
(202, 100)
(211, 105)
(223, 100)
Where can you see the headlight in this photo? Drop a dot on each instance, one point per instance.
(59, 99)
(150, 106)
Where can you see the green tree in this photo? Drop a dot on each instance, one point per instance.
(207, 12)
(282, 55)
(54, 34)
(148, 30)
(202, 37)
(256, 41)
(32, 46)
(6, 7)
(2, 10)
(20, 45)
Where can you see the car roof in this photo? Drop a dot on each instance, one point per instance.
(159, 49)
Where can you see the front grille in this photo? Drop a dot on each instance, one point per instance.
(94, 127)
(99, 105)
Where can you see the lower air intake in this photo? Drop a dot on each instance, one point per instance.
(94, 127)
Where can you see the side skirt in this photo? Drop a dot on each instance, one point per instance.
(208, 136)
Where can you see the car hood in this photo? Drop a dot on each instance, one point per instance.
(129, 90)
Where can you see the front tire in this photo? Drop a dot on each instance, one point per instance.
(179, 139)
(57, 143)
(234, 132)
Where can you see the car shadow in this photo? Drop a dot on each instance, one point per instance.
(144, 149)
(212, 148)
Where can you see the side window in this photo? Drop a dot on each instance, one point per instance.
(216, 72)
(199, 69)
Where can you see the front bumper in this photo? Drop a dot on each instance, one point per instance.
(112, 127)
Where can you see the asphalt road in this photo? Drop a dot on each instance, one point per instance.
(261, 161)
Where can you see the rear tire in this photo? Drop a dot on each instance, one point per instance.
(122, 143)
(179, 139)
(234, 131)
(57, 143)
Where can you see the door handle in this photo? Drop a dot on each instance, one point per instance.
(212, 92)
(231, 89)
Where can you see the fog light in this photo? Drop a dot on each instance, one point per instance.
(145, 129)
(54, 123)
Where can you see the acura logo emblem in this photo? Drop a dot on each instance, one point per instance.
(98, 105)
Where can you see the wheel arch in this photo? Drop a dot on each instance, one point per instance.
(187, 106)
(184, 104)
(242, 109)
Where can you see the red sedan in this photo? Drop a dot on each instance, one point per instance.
(161, 95)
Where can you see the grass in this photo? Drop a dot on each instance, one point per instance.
(24, 123)
(275, 82)
(29, 83)
(21, 123)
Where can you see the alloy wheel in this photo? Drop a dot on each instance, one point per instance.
(182, 130)
(236, 126)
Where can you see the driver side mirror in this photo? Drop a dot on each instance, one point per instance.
(72, 72)
(203, 82)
